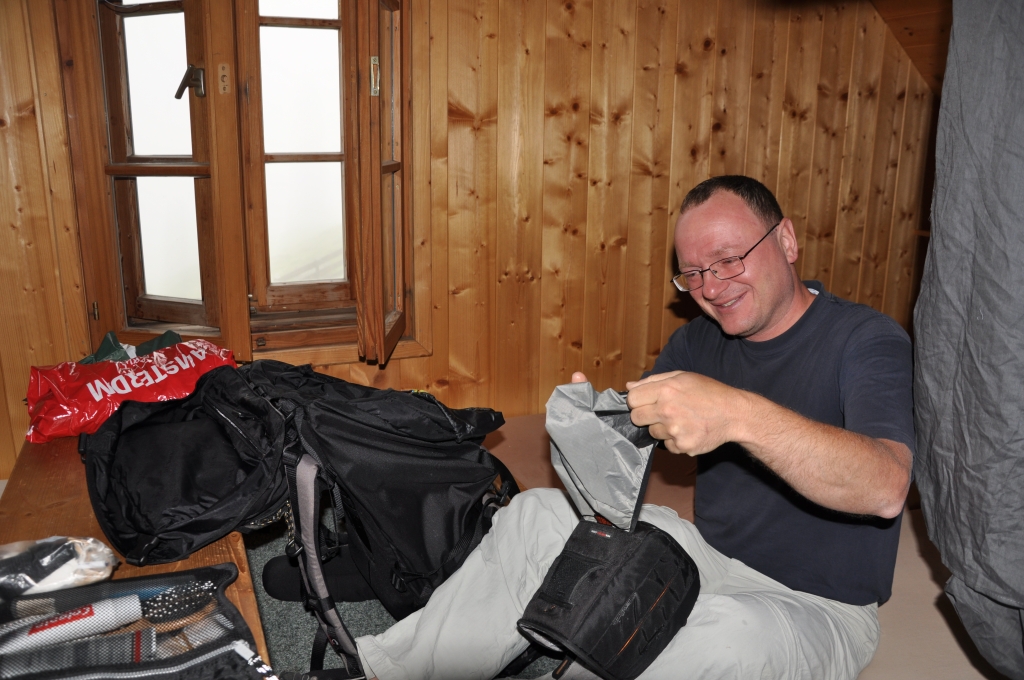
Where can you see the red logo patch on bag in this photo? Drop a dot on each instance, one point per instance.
(72, 398)
(85, 612)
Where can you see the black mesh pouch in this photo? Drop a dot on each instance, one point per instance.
(178, 626)
(612, 600)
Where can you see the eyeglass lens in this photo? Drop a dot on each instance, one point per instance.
(726, 268)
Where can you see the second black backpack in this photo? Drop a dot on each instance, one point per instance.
(408, 476)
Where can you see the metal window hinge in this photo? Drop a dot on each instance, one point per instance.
(96, 311)
(193, 78)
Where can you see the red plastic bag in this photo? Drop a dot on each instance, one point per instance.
(71, 398)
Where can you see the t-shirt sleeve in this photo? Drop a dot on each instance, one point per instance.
(877, 382)
(675, 356)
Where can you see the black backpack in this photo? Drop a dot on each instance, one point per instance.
(168, 478)
(408, 476)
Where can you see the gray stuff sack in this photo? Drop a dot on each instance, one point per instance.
(600, 455)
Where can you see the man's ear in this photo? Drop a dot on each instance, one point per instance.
(787, 240)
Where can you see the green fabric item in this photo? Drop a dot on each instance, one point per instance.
(109, 350)
(168, 339)
(112, 350)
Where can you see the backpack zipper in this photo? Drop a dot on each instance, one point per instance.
(252, 445)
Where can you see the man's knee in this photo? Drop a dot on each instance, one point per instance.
(745, 632)
(756, 635)
(536, 512)
(528, 534)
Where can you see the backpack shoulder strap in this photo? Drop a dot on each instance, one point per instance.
(305, 484)
(509, 487)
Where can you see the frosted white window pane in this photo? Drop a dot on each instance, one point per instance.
(305, 222)
(155, 50)
(306, 9)
(301, 90)
(170, 242)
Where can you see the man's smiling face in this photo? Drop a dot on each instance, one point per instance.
(757, 304)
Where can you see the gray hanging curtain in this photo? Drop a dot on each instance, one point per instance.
(969, 331)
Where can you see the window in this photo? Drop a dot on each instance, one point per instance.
(158, 164)
(267, 206)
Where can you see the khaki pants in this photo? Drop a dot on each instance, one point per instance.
(744, 624)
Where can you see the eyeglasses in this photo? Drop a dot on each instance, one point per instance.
(726, 268)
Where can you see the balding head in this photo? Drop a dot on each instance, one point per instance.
(757, 196)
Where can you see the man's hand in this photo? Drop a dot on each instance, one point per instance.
(690, 413)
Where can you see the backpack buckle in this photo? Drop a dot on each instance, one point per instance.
(320, 606)
(290, 458)
(397, 581)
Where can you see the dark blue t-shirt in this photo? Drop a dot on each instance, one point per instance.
(842, 364)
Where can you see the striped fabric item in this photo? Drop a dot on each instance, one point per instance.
(124, 648)
(91, 619)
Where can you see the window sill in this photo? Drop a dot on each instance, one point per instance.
(342, 353)
(138, 333)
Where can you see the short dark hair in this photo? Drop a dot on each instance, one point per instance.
(757, 196)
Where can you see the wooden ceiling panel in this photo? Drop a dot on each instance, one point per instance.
(922, 28)
(927, 28)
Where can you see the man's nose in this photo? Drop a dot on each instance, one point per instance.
(713, 286)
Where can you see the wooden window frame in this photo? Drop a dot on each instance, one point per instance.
(125, 166)
(386, 282)
(280, 301)
(99, 160)
(283, 316)
(370, 332)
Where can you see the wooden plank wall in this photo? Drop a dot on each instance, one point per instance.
(565, 133)
(562, 136)
(43, 319)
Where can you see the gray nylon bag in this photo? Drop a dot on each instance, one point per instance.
(599, 454)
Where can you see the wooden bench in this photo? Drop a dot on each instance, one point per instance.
(921, 637)
(46, 495)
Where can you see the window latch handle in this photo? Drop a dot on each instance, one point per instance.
(193, 78)
(374, 76)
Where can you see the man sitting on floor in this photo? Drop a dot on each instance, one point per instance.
(799, 405)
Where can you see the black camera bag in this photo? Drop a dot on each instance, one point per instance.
(613, 600)
(618, 592)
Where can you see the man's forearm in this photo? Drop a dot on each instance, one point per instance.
(833, 467)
